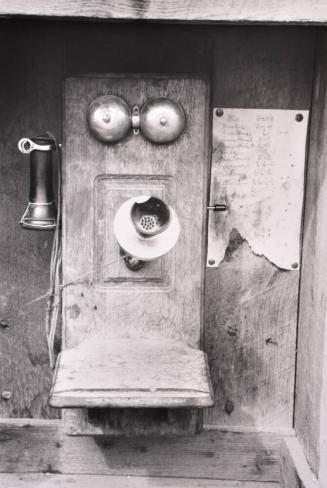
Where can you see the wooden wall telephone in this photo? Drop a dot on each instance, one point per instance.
(134, 152)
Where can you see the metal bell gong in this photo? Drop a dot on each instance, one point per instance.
(162, 120)
(109, 118)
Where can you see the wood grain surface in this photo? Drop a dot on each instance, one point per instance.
(124, 373)
(90, 307)
(40, 446)
(295, 470)
(29, 93)
(250, 304)
(132, 421)
(85, 481)
(254, 67)
(311, 389)
(111, 191)
(36, 57)
(306, 11)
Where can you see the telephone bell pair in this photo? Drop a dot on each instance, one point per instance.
(160, 120)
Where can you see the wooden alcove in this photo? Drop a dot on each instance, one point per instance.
(268, 425)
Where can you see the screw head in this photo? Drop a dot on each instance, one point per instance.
(4, 324)
(211, 262)
(295, 265)
(219, 112)
(6, 395)
(106, 118)
(299, 117)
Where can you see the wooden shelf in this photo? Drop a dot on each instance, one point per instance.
(131, 373)
(249, 11)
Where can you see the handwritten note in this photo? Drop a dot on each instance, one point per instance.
(258, 159)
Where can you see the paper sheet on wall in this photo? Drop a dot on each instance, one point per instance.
(258, 159)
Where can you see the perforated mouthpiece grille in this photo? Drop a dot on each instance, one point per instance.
(148, 223)
(150, 215)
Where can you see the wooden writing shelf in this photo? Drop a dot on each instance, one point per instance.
(131, 373)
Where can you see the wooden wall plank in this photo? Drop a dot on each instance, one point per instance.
(295, 470)
(99, 48)
(85, 481)
(322, 475)
(29, 93)
(33, 54)
(40, 446)
(255, 67)
(311, 390)
(192, 10)
(251, 305)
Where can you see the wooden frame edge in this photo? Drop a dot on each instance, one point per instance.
(208, 11)
(295, 469)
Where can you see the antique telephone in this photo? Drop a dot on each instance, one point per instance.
(121, 214)
(41, 212)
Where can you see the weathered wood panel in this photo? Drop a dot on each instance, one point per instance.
(251, 305)
(40, 446)
(192, 10)
(254, 68)
(311, 390)
(29, 93)
(131, 373)
(85, 481)
(295, 471)
(131, 421)
(157, 48)
(170, 307)
(32, 57)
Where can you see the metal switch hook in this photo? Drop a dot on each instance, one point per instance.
(26, 145)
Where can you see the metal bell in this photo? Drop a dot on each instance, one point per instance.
(161, 120)
(109, 118)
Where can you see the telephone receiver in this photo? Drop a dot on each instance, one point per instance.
(41, 211)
